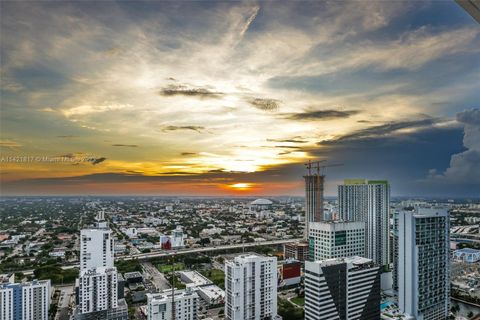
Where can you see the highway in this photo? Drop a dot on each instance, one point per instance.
(170, 253)
(162, 254)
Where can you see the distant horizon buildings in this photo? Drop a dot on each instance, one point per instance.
(424, 263)
(251, 288)
(368, 201)
(343, 289)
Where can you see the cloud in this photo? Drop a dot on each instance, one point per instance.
(184, 90)
(69, 136)
(322, 115)
(188, 154)
(293, 140)
(384, 130)
(9, 144)
(125, 145)
(86, 109)
(95, 161)
(465, 166)
(175, 128)
(265, 104)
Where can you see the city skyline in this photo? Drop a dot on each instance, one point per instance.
(230, 99)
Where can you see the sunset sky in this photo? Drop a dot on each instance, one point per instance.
(215, 98)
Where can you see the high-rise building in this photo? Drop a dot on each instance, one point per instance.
(25, 301)
(97, 289)
(296, 250)
(368, 201)
(395, 249)
(336, 239)
(159, 305)
(251, 288)
(423, 263)
(314, 184)
(343, 289)
(96, 247)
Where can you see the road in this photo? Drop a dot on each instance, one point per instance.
(162, 254)
(66, 293)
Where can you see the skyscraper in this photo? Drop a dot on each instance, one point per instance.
(423, 263)
(159, 305)
(98, 290)
(314, 184)
(336, 239)
(368, 201)
(251, 288)
(97, 286)
(25, 301)
(342, 288)
(96, 247)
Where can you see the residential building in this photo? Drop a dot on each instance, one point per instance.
(96, 247)
(159, 305)
(343, 289)
(97, 289)
(251, 288)
(368, 201)
(336, 239)
(423, 263)
(25, 301)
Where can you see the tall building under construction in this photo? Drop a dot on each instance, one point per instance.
(314, 185)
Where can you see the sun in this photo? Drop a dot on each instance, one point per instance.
(241, 186)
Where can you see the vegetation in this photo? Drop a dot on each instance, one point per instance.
(216, 276)
(128, 266)
(55, 273)
(289, 311)
(167, 268)
(300, 301)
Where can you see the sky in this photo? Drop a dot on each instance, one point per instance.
(232, 98)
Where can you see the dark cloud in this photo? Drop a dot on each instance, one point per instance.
(188, 153)
(184, 90)
(265, 104)
(95, 161)
(322, 114)
(382, 130)
(193, 128)
(125, 145)
(67, 137)
(471, 117)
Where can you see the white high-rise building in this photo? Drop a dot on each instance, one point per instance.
(25, 301)
(423, 263)
(368, 201)
(97, 288)
(96, 247)
(343, 289)
(251, 288)
(159, 305)
(336, 239)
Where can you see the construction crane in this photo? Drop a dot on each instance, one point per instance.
(320, 170)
